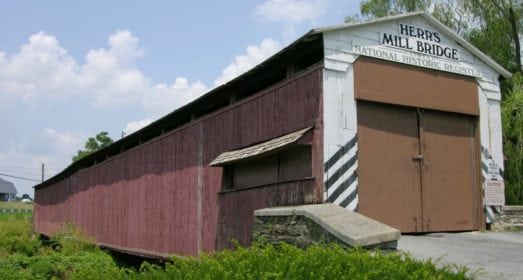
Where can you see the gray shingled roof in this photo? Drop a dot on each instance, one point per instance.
(7, 187)
(259, 149)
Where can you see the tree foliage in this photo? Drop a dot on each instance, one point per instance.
(512, 115)
(498, 33)
(381, 8)
(493, 26)
(93, 144)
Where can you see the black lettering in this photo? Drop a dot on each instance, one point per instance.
(420, 33)
(447, 53)
(408, 46)
(403, 29)
(442, 51)
(429, 35)
(428, 48)
(454, 54)
(411, 31)
(420, 46)
(397, 41)
(437, 39)
(387, 39)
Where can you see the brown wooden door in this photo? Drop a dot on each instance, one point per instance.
(417, 168)
(389, 180)
(449, 177)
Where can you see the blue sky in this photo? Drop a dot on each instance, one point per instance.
(70, 69)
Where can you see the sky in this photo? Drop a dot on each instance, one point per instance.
(70, 69)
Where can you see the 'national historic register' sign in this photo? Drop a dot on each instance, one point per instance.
(419, 47)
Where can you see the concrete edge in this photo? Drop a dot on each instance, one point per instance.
(512, 208)
(391, 235)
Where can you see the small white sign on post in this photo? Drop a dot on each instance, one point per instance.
(494, 193)
(493, 169)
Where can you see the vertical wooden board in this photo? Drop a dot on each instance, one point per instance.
(236, 209)
(389, 179)
(121, 200)
(451, 180)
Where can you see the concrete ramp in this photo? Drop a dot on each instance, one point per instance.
(305, 225)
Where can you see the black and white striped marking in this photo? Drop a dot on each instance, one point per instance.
(341, 180)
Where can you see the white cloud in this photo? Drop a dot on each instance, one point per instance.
(255, 54)
(67, 142)
(42, 69)
(162, 99)
(110, 75)
(291, 11)
(137, 125)
(50, 147)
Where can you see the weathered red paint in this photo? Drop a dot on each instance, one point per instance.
(237, 207)
(162, 196)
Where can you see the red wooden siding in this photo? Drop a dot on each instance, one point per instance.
(237, 208)
(162, 196)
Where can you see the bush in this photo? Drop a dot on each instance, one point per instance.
(71, 255)
(16, 236)
(289, 262)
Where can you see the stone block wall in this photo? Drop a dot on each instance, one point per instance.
(295, 230)
(510, 218)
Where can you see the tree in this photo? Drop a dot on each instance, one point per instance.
(512, 116)
(499, 19)
(93, 144)
(381, 8)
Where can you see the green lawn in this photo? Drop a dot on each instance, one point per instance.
(15, 205)
(11, 216)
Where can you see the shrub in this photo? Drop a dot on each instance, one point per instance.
(289, 262)
(74, 257)
(16, 236)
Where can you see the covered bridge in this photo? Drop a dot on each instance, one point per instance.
(396, 118)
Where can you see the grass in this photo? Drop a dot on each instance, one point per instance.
(71, 255)
(11, 216)
(15, 205)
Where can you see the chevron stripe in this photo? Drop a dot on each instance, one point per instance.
(342, 188)
(341, 181)
(490, 215)
(342, 170)
(339, 154)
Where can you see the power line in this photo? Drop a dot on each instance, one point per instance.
(11, 171)
(21, 178)
(25, 167)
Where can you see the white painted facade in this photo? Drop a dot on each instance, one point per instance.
(344, 44)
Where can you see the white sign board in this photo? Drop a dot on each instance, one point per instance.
(494, 193)
(493, 169)
(418, 46)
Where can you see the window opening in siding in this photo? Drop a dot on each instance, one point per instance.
(292, 164)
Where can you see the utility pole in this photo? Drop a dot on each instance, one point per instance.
(123, 134)
(43, 169)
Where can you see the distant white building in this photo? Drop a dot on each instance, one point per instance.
(7, 190)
